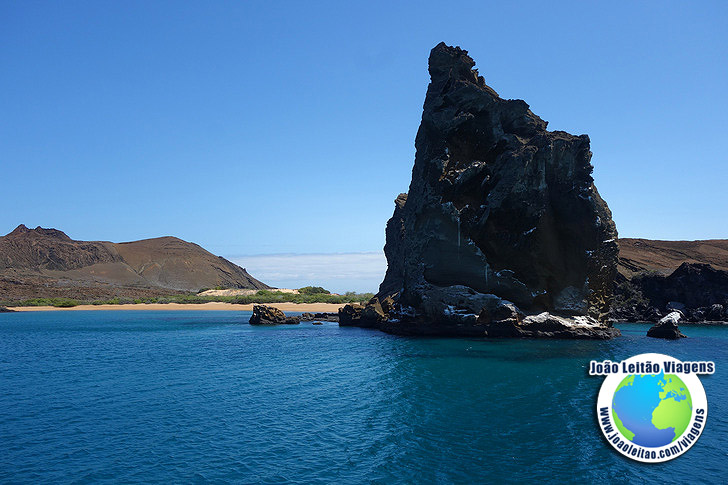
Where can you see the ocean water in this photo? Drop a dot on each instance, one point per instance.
(202, 397)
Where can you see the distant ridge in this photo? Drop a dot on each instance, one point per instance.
(640, 255)
(45, 263)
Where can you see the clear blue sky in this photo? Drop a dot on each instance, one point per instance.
(288, 127)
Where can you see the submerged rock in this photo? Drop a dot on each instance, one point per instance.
(267, 315)
(502, 222)
(667, 327)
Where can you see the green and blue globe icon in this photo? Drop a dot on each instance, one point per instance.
(652, 410)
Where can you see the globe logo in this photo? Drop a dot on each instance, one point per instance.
(652, 410)
(651, 407)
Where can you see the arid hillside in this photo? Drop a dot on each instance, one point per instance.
(639, 255)
(46, 263)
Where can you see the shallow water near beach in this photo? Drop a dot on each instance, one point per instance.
(147, 396)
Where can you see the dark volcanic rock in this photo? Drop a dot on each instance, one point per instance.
(694, 285)
(667, 327)
(350, 315)
(698, 290)
(716, 312)
(500, 213)
(5, 310)
(547, 325)
(267, 315)
(393, 249)
(319, 317)
(630, 305)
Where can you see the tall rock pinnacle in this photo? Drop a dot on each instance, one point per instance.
(502, 221)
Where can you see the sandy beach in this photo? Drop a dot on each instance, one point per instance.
(286, 307)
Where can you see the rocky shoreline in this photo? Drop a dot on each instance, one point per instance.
(698, 291)
(501, 321)
(268, 315)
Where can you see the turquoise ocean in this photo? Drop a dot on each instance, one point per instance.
(203, 397)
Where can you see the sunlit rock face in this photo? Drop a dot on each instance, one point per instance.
(500, 211)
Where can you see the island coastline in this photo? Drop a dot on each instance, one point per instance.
(210, 306)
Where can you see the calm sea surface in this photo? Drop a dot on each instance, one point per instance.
(203, 397)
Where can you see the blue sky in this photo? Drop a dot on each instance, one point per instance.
(259, 128)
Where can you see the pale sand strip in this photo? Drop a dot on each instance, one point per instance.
(214, 305)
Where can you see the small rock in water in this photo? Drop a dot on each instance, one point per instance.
(667, 327)
(267, 315)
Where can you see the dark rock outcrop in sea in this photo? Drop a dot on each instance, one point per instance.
(699, 291)
(5, 310)
(268, 315)
(319, 317)
(667, 327)
(502, 232)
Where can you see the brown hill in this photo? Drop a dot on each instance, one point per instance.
(47, 263)
(645, 255)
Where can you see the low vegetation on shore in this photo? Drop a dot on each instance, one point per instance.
(306, 295)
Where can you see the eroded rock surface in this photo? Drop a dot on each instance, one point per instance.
(502, 232)
(268, 315)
